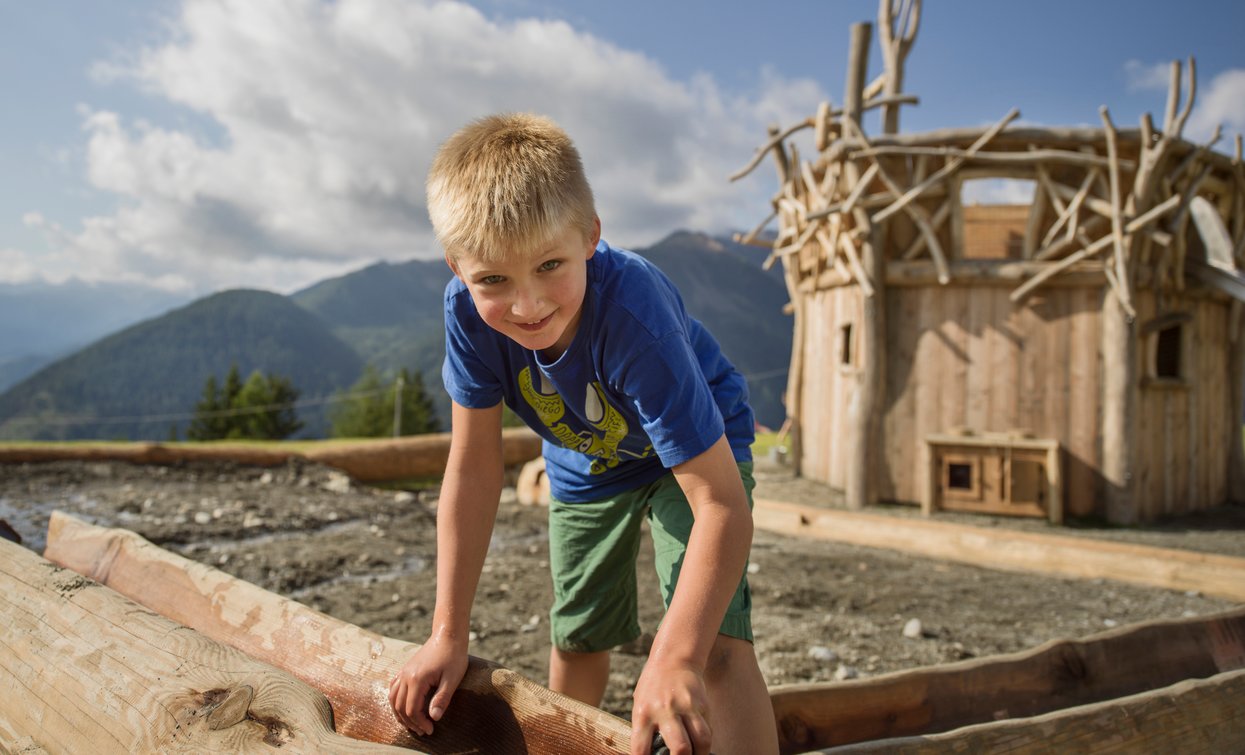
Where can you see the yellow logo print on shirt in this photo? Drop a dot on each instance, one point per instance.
(550, 408)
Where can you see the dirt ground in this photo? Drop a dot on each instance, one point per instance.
(821, 610)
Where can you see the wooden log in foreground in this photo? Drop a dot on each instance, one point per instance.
(365, 460)
(85, 670)
(1057, 675)
(1192, 717)
(494, 709)
(998, 548)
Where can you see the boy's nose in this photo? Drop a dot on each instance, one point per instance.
(526, 302)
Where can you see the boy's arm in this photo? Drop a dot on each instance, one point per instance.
(466, 512)
(670, 695)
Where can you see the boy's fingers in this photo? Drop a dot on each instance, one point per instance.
(643, 738)
(412, 709)
(440, 701)
(698, 731)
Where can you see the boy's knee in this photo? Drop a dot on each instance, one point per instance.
(727, 657)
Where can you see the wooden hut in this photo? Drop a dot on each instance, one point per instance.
(1079, 354)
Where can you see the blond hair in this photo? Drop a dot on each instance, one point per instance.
(506, 184)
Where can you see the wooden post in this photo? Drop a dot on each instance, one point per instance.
(1119, 410)
(857, 69)
(494, 709)
(85, 669)
(896, 44)
(862, 407)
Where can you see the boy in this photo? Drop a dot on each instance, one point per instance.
(642, 416)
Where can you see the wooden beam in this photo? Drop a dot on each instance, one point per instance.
(86, 670)
(1058, 675)
(1068, 217)
(918, 215)
(364, 460)
(935, 222)
(1055, 268)
(494, 709)
(1062, 555)
(950, 167)
(1194, 716)
(1033, 156)
(1123, 273)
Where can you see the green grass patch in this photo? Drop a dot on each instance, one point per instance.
(763, 444)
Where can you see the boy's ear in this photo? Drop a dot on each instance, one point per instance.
(595, 237)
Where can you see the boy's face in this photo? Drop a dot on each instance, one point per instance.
(534, 300)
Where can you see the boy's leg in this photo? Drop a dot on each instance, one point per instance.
(741, 716)
(582, 676)
(592, 550)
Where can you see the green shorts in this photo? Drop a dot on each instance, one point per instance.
(592, 554)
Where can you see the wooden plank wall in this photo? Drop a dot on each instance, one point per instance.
(827, 385)
(1182, 426)
(963, 357)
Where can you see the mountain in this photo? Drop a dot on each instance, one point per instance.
(156, 369)
(724, 287)
(391, 313)
(41, 322)
(387, 314)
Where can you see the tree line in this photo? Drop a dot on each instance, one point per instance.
(263, 407)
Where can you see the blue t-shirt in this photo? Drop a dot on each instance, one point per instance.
(642, 387)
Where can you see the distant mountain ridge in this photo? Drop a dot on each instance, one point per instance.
(40, 322)
(157, 368)
(388, 314)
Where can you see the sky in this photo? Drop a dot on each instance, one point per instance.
(198, 145)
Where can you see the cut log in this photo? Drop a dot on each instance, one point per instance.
(86, 670)
(367, 461)
(494, 709)
(532, 487)
(1063, 555)
(1057, 675)
(1195, 716)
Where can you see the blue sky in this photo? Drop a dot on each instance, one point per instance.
(202, 144)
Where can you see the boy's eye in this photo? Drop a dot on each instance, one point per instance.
(550, 265)
(492, 280)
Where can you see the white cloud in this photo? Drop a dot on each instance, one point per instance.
(1222, 102)
(1144, 77)
(330, 113)
(1219, 102)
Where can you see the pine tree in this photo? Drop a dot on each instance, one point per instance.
(208, 424)
(367, 409)
(265, 411)
(418, 414)
(259, 409)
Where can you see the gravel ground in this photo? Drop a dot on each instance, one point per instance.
(821, 610)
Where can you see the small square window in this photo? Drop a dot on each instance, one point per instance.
(959, 476)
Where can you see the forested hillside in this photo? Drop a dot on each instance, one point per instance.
(156, 370)
(388, 315)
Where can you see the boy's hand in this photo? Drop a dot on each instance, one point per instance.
(421, 691)
(670, 698)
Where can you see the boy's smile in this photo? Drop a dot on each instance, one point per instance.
(533, 299)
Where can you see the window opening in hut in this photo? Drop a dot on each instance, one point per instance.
(846, 347)
(959, 476)
(995, 212)
(1167, 352)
